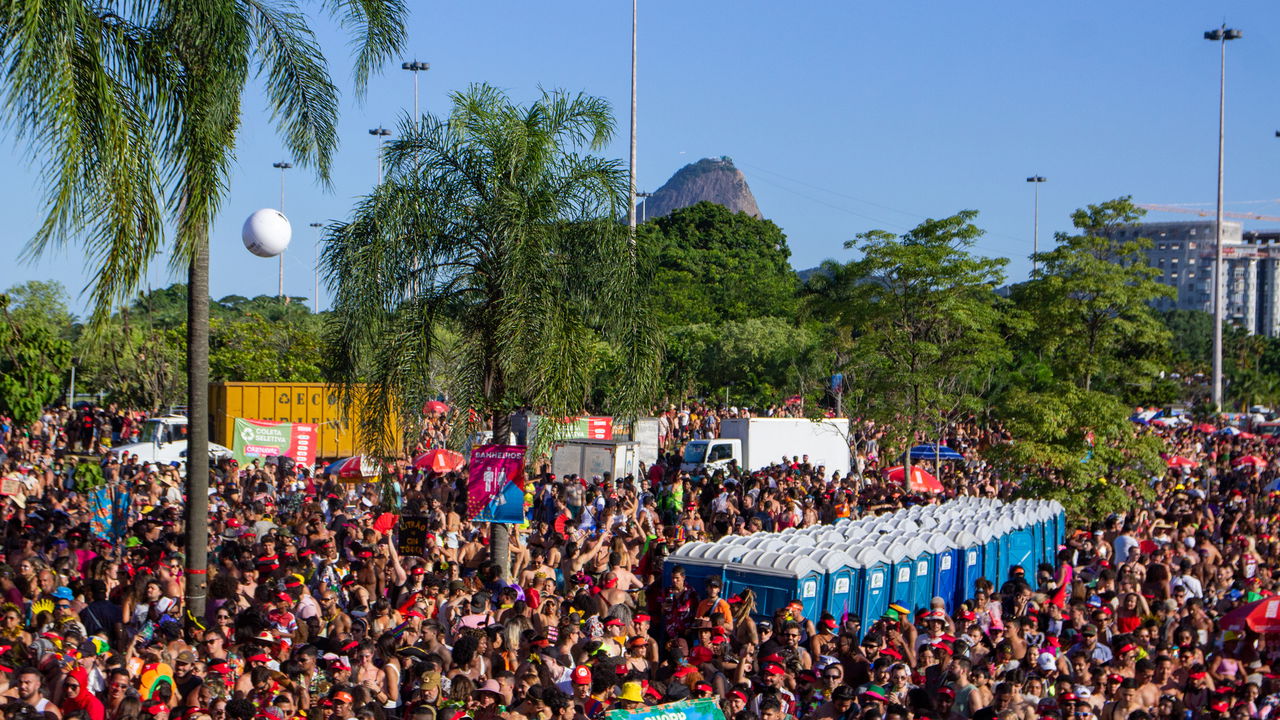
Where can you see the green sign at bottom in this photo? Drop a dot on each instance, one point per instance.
(701, 709)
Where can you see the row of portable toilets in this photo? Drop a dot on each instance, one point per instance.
(862, 566)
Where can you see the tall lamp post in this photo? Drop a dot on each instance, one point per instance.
(281, 166)
(382, 134)
(1035, 180)
(631, 193)
(315, 291)
(1220, 35)
(415, 67)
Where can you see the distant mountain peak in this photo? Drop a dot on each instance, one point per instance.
(714, 180)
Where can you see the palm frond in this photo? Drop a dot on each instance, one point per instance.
(380, 29)
(304, 100)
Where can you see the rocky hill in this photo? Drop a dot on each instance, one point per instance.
(712, 179)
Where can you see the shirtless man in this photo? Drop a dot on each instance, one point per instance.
(1148, 691)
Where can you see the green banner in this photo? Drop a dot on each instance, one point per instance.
(260, 439)
(702, 709)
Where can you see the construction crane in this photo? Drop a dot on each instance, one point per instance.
(1206, 213)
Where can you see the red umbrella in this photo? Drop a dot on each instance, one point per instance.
(439, 460)
(435, 406)
(921, 479)
(352, 468)
(1262, 616)
(1206, 428)
(1253, 460)
(1179, 461)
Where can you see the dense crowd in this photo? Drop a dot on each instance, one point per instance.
(314, 613)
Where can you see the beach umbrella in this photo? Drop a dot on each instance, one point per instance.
(929, 452)
(439, 460)
(921, 479)
(1262, 616)
(1253, 460)
(1228, 431)
(1179, 461)
(1206, 428)
(352, 468)
(434, 406)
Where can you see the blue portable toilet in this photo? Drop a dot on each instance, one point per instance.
(872, 586)
(762, 541)
(1031, 512)
(799, 540)
(1058, 524)
(990, 539)
(902, 572)
(777, 579)
(969, 569)
(701, 561)
(840, 595)
(1022, 543)
(946, 563)
(922, 576)
(676, 558)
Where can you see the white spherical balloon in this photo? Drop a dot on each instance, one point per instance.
(266, 233)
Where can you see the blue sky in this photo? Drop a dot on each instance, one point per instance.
(844, 116)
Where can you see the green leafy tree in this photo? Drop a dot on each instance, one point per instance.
(498, 221)
(42, 305)
(33, 360)
(134, 363)
(708, 264)
(756, 361)
(254, 349)
(1087, 327)
(134, 109)
(1089, 304)
(925, 325)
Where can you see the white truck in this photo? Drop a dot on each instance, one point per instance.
(757, 443)
(589, 458)
(164, 440)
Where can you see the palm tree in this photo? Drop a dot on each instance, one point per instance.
(134, 109)
(498, 223)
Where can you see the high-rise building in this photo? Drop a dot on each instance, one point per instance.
(1183, 253)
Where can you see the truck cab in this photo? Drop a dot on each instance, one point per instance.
(164, 440)
(711, 455)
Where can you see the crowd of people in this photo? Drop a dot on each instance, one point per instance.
(313, 610)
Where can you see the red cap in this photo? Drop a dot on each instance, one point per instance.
(775, 669)
(642, 617)
(582, 675)
(260, 657)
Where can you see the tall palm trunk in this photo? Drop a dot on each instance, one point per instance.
(197, 524)
(499, 533)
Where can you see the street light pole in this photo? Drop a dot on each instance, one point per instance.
(1220, 36)
(382, 134)
(315, 291)
(1035, 222)
(631, 194)
(415, 67)
(644, 206)
(281, 166)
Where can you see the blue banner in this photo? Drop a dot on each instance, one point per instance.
(100, 509)
(120, 513)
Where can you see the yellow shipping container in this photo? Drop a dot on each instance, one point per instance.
(314, 403)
